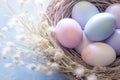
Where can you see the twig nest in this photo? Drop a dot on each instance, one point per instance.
(87, 45)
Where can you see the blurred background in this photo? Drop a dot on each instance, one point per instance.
(17, 72)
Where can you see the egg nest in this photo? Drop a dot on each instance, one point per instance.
(59, 9)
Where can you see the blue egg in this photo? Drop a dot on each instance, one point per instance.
(100, 27)
(83, 11)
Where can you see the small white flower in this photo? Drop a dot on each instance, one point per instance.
(21, 15)
(4, 29)
(51, 30)
(21, 37)
(50, 73)
(57, 5)
(10, 44)
(8, 65)
(58, 55)
(20, 30)
(21, 3)
(0, 45)
(13, 22)
(42, 68)
(31, 66)
(16, 57)
(21, 63)
(2, 35)
(39, 3)
(92, 77)
(49, 63)
(6, 51)
(15, 61)
(28, 2)
(54, 66)
(79, 72)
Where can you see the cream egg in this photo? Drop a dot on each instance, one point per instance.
(68, 33)
(98, 54)
(84, 43)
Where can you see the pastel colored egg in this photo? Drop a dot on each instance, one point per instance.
(84, 43)
(100, 27)
(98, 54)
(115, 10)
(68, 33)
(83, 11)
(114, 41)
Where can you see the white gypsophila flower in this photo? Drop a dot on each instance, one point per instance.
(10, 44)
(49, 63)
(21, 37)
(58, 55)
(4, 29)
(21, 2)
(50, 72)
(22, 63)
(8, 65)
(31, 66)
(42, 68)
(5, 52)
(54, 66)
(13, 22)
(0, 45)
(28, 2)
(20, 30)
(16, 56)
(2, 36)
(15, 61)
(39, 3)
(21, 15)
(92, 77)
(51, 30)
(79, 72)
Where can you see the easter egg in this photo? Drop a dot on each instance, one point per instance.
(84, 43)
(114, 41)
(100, 27)
(68, 33)
(83, 11)
(115, 10)
(98, 54)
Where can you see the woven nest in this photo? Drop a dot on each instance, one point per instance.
(59, 9)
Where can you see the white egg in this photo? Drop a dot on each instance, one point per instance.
(84, 43)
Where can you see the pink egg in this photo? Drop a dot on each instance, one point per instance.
(115, 10)
(68, 33)
(84, 43)
(98, 54)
